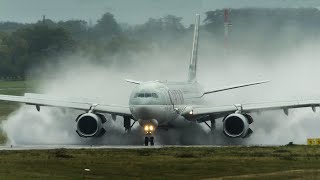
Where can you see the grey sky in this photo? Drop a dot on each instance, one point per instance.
(128, 11)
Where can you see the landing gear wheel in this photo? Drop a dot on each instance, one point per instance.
(146, 141)
(152, 141)
(127, 123)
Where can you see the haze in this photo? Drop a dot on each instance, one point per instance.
(126, 11)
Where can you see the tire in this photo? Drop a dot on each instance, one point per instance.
(152, 141)
(146, 141)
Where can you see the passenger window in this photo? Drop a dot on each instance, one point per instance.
(147, 95)
(141, 95)
(154, 95)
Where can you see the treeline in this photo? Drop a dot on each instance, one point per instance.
(23, 46)
(266, 31)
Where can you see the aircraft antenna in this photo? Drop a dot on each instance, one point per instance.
(44, 19)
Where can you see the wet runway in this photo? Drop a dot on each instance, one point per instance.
(48, 147)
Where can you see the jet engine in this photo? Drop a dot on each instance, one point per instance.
(237, 125)
(90, 125)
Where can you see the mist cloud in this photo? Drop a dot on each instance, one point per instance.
(293, 72)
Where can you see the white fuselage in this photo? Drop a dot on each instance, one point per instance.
(160, 103)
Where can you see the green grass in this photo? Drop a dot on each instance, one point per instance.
(13, 84)
(174, 163)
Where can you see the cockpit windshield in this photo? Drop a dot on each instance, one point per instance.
(146, 95)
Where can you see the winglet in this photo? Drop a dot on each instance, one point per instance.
(133, 81)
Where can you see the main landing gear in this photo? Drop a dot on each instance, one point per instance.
(213, 124)
(127, 123)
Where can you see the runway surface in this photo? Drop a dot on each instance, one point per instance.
(48, 147)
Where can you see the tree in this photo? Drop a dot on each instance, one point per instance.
(9, 27)
(77, 28)
(161, 30)
(32, 45)
(42, 39)
(106, 28)
(13, 53)
(173, 24)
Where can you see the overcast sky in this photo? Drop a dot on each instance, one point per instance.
(127, 11)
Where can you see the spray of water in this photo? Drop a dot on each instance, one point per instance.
(293, 73)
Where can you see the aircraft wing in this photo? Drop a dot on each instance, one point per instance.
(233, 87)
(43, 100)
(221, 111)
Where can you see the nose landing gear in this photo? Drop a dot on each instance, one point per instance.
(149, 129)
(149, 139)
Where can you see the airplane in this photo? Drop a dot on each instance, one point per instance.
(159, 105)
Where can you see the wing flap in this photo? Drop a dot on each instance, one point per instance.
(213, 110)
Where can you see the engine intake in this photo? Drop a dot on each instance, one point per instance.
(90, 125)
(237, 125)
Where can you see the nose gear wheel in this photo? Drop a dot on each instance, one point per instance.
(149, 139)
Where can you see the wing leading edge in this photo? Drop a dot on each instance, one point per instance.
(233, 87)
(42, 100)
(221, 111)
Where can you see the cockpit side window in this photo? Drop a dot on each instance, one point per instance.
(154, 95)
(147, 95)
(141, 95)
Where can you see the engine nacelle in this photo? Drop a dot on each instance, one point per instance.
(90, 125)
(237, 125)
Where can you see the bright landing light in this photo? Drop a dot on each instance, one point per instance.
(146, 128)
